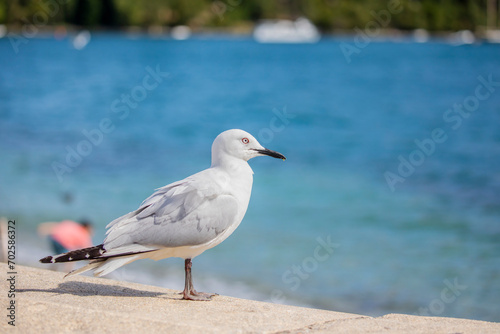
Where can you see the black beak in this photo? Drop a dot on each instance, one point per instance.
(270, 153)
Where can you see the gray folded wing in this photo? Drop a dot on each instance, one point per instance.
(184, 213)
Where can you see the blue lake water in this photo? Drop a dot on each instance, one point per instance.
(400, 183)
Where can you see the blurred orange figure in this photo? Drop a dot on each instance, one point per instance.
(67, 235)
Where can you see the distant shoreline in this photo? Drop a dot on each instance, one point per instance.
(63, 31)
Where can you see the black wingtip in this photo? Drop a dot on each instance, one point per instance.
(47, 259)
(88, 253)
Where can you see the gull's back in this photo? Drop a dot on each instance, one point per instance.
(191, 212)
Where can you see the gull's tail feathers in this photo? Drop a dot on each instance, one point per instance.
(104, 266)
(92, 265)
(76, 255)
(102, 261)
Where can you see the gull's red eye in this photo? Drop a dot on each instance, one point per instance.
(245, 140)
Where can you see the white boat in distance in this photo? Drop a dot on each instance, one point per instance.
(285, 31)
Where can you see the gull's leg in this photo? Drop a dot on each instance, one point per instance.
(189, 292)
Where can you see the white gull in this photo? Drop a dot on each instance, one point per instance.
(182, 219)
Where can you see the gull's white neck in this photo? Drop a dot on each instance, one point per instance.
(231, 165)
(239, 177)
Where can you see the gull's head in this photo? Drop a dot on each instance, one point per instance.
(241, 145)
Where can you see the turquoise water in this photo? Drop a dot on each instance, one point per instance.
(426, 242)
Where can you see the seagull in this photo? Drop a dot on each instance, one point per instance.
(182, 219)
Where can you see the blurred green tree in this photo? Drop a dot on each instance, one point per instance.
(329, 15)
